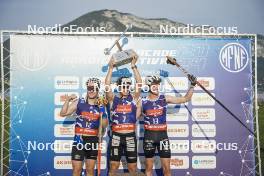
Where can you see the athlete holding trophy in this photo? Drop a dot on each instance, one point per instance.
(124, 110)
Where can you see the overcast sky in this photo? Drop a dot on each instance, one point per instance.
(247, 15)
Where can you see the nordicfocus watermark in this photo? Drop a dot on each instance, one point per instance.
(57, 146)
(203, 29)
(58, 28)
(199, 146)
(162, 88)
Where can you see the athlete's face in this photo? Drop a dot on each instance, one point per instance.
(92, 90)
(125, 89)
(154, 88)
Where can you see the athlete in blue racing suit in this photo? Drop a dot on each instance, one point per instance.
(154, 109)
(85, 145)
(124, 113)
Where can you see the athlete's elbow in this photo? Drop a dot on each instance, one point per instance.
(63, 114)
(187, 99)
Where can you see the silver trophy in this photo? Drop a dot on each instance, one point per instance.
(121, 57)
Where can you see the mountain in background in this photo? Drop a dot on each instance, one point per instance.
(115, 21)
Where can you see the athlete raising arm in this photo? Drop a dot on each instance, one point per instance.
(124, 112)
(154, 109)
(86, 127)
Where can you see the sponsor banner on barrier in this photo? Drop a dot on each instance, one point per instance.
(64, 130)
(203, 146)
(175, 114)
(174, 130)
(62, 162)
(203, 162)
(60, 97)
(66, 82)
(179, 83)
(179, 162)
(179, 146)
(65, 162)
(203, 114)
(202, 99)
(203, 130)
(178, 130)
(207, 82)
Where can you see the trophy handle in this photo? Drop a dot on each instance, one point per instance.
(124, 41)
(118, 45)
(107, 51)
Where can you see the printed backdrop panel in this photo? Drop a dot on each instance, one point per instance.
(45, 68)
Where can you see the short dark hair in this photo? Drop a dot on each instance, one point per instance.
(119, 80)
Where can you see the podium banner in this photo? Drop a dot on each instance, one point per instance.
(46, 67)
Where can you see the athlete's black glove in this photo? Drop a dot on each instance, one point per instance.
(192, 79)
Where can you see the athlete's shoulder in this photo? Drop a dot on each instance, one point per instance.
(144, 99)
(115, 97)
(81, 100)
(116, 100)
(162, 96)
(130, 97)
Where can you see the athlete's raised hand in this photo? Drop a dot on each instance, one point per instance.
(69, 106)
(134, 59)
(192, 79)
(70, 98)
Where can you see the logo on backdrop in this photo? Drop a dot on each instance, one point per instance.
(32, 61)
(233, 57)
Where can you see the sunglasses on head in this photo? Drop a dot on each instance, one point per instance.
(92, 88)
